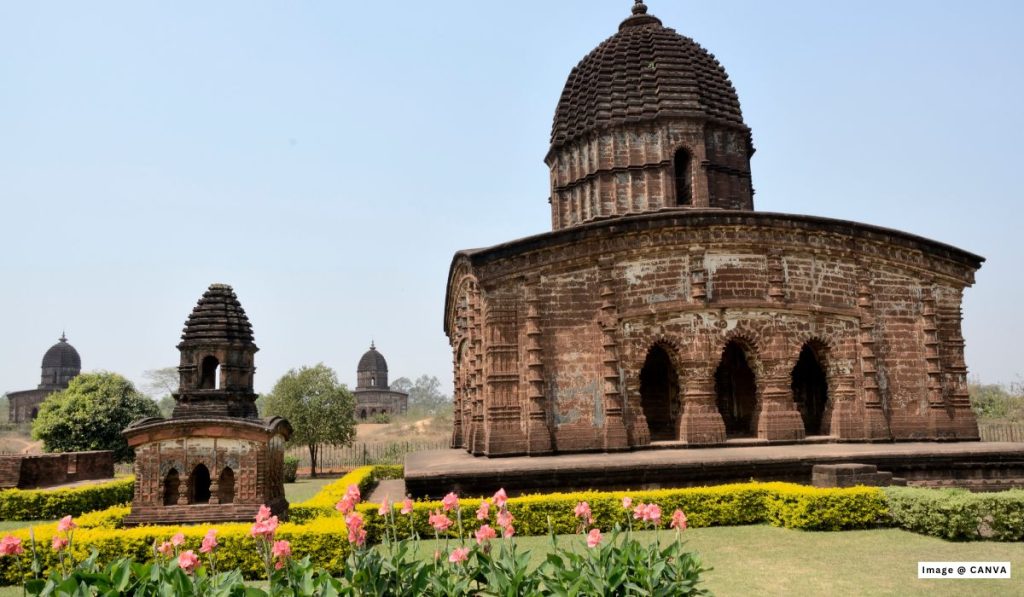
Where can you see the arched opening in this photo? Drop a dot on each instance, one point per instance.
(684, 178)
(373, 381)
(210, 373)
(810, 390)
(171, 484)
(659, 394)
(35, 413)
(736, 390)
(200, 485)
(362, 414)
(226, 486)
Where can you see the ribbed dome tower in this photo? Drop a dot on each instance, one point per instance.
(61, 364)
(647, 121)
(217, 359)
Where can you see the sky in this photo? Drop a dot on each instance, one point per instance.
(327, 159)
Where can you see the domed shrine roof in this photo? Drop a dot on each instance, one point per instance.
(218, 317)
(62, 355)
(372, 361)
(644, 72)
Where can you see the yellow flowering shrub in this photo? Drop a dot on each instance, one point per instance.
(41, 504)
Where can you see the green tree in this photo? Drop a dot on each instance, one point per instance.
(321, 410)
(160, 384)
(90, 414)
(425, 396)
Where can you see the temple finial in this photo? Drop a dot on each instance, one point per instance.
(63, 338)
(372, 347)
(639, 8)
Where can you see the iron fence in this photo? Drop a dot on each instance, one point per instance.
(333, 458)
(1001, 432)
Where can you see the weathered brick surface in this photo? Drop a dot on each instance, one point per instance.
(881, 307)
(213, 460)
(551, 335)
(28, 471)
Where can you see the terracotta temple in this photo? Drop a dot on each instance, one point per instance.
(663, 308)
(61, 364)
(214, 460)
(374, 397)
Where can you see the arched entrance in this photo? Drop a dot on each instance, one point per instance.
(226, 486)
(171, 484)
(200, 482)
(810, 390)
(659, 394)
(736, 390)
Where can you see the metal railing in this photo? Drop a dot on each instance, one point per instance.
(336, 458)
(1001, 432)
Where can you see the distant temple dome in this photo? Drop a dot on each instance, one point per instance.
(372, 371)
(62, 355)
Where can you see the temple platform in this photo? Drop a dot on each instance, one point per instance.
(978, 466)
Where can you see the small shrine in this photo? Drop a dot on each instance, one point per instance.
(214, 459)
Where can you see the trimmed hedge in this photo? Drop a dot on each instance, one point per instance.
(37, 504)
(957, 514)
(322, 504)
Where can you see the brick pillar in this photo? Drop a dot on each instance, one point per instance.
(940, 417)
(777, 416)
(875, 425)
(538, 431)
(965, 424)
(700, 424)
(504, 427)
(615, 436)
(184, 483)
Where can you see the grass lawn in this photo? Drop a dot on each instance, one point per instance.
(764, 560)
(304, 488)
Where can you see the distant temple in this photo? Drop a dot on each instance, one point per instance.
(61, 364)
(373, 394)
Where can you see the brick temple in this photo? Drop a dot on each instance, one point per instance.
(61, 363)
(214, 459)
(663, 308)
(373, 394)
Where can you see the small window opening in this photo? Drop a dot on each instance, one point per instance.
(210, 374)
(684, 175)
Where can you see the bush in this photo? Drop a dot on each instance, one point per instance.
(41, 504)
(291, 469)
(957, 514)
(817, 509)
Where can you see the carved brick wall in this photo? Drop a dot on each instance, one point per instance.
(583, 309)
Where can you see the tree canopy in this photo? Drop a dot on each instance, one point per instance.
(90, 414)
(320, 410)
(425, 397)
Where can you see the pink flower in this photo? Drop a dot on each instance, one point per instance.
(647, 513)
(678, 521)
(484, 511)
(500, 498)
(594, 538)
(279, 565)
(282, 549)
(653, 513)
(178, 540)
(59, 543)
(356, 532)
(346, 505)
(187, 561)
(509, 531)
(582, 510)
(450, 501)
(439, 521)
(459, 555)
(166, 549)
(385, 507)
(353, 492)
(265, 528)
(209, 541)
(627, 502)
(66, 524)
(11, 546)
(485, 533)
(263, 514)
(505, 518)
(407, 506)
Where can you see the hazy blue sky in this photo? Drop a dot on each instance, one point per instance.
(328, 158)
